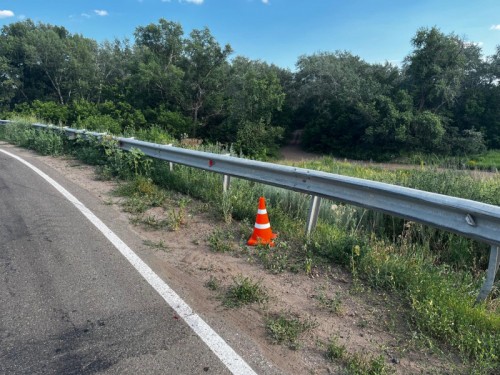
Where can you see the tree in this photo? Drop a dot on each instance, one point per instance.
(389, 130)
(159, 54)
(437, 67)
(334, 91)
(205, 76)
(113, 62)
(9, 82)
(49, 62)
(253, 95)
(254, 91)
(426, 131)
(12, 49)
(490, 121)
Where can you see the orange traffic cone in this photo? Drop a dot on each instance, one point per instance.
(262, 233)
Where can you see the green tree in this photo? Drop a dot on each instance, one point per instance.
(159, 53)
(49, 62)
(490, 124)
(205, 77)
(9, 83)
(335, 92)
(389, 130)
(437, 67)
(29, 85)
(254, 94)
(254, 91)
(113, 76)
(426, 131)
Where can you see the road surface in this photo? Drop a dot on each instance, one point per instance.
(70, 303)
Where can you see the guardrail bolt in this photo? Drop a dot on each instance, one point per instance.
(470, 220)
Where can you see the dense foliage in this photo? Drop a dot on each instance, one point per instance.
(445, 99)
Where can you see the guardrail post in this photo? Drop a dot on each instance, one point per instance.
(170, 164)
(312, 218)
(490, 275)
(227, 180)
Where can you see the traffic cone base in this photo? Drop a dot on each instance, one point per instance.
(262, 233)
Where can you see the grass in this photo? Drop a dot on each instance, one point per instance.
(286, 329)
(275, 259)
(159, 245)
(142, 189)
(356, 364)
(332, 304)
(244, 291)
(437, 274)
(487, 161)
(142, 194)
(213, 283)
(221, 241)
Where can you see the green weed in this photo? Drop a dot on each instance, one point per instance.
(332, 304)
(226, 208)
(160, 245)
(152, 222)
(244, 291)
(221, 241)
(213, 283)
(285, 329)
(44, 141)
(274, 259)
(488, 161)
(141, 194)
(356, 364)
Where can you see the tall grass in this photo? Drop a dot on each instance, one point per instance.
(489, 161)
(437, 274)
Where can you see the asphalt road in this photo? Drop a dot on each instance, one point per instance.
(70, 303)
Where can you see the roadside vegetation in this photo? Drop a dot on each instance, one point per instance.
(443, 100)
(286, 329)
(436, 274)
(356, 364)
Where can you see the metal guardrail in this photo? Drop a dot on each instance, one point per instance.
(465, 217)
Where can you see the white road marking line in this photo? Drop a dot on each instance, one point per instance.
(226, 354)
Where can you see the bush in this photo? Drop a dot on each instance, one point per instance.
(44, 141)
(257, 140)
(51, 112)
(100, 123)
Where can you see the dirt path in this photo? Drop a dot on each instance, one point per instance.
(295, 153)
(368, 324)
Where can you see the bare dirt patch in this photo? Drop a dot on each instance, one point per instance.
(295, 153)
(368, 323)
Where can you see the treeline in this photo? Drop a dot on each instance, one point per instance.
(444, 99)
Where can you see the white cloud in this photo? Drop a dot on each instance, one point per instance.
(101, 12)
(6, 13)
(197, 2)
(86, 15)
(21, 17)
(495, 27)
(477, 44)
(265, 2)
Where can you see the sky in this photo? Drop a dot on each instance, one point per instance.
(278, 31)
